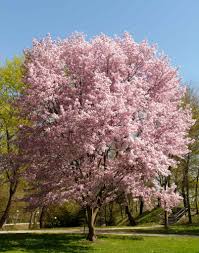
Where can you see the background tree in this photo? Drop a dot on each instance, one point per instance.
(186, 174)
(11, 86)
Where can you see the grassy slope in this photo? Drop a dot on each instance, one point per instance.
(174, 229)
(154, 216)
(76, 244)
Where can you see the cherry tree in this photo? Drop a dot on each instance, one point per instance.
(105, 117)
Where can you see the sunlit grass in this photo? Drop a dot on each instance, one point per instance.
(61, 243)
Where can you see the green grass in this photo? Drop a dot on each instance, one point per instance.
(178, 229)
(154, 216)
(174, 229)
(60, 243)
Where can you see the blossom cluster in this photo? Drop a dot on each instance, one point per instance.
(105, 117)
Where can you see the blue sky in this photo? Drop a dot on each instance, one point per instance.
(172, 24)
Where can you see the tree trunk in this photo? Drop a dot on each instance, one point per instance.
(110, 218)
(6, 212)
(105, 215)
(130, 217)
(166, 216)
(30, 221)
(187, 189)
(141, 206)
(196, 193)
(121, 210)
(41, 218)
(13, 183)
(91, 217)
(183, 189)
(33, 220)
(166, 221)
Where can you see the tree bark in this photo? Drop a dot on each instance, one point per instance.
(110, 218)
(196, 193)
(166, 216)
(183, 189)
(33, 220)
(30, 221)
(13, 181)
(121, 210)
(91, 217)
(105, 215)
(141, 206)
(130, 217)
(41, 218)
(5, 215)
(187, 189)
(166, 221)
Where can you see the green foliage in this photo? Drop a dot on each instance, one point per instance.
(11, 86)
(186, 173)
(153, 216)
(66, 215)
(191, 99)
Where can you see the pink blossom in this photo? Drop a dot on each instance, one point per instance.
(105, 116)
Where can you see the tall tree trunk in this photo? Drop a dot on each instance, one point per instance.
(35, 218)
(105, 215)
(91, 217)
(41, 218)
(13, 181)
(130, 217)
(166, 221)
(121, 210)
(110, 219)
(187, 189)
(31, 220)
(166, 216)
(183, 189)
(141, 206)
(196, 193)
(5, 215)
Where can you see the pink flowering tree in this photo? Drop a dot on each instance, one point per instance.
(106, 118)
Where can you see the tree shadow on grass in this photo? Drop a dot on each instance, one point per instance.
(35, 243)
(121, 237)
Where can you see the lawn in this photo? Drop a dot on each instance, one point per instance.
(60, 243)
(174, 229)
